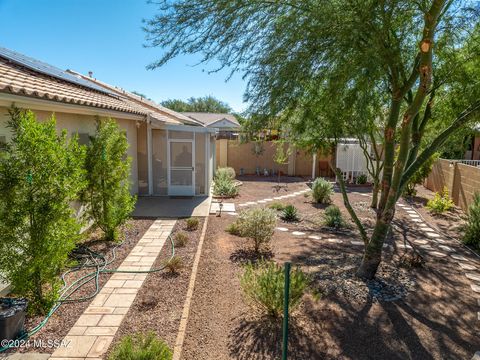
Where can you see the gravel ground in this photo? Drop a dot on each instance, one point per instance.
(430, 312)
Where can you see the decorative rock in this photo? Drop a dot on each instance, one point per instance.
(315, 237)
(426, 228)
(298, 233)
(405, 246)
(475, 288)
(437, 254)
(333, 240)
(473, 276)
(467, 267)
(425, 247)
(459, 257)
(432, 234)
(476, 356)
(446, 248)
(282, 229)
(421, 242)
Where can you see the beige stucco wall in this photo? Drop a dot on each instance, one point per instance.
(74, 123)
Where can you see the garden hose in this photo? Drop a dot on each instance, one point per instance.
(91, 259)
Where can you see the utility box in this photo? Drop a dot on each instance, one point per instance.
(12, 318)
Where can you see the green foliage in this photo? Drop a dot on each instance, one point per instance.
(174, 265)
(472, 229)
(107, 197)
(333, 217)
(362, 179)
(40, 175)
(225, 172)
(141, 347)
(233, 229)
(263, 285)
(192, 224)
(224, 187)
(207, 104)
(420, 175)
(277, 205)
(441, 202)
(257, 224)
(322, 190)
(290, 213)
(181, 239)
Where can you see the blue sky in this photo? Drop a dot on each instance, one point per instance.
(105, 36)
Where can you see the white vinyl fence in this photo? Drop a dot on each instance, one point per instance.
(350, 159)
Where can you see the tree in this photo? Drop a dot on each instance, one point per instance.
(345, 51)
(138, 93)
(207, 104)
(40, 174)
(107, 196)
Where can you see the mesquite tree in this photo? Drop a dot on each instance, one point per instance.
(41, 172)
(317, 57)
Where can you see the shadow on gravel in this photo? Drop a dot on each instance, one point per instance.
(243, 256)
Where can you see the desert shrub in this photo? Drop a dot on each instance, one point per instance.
(472, 229)
(107, 197)
(276, 205)
(174, 265)
(225, 172)
(141, 347)
(257, 224)
(233, 229)
(290, 213)
(192, 224)
(322, 190)
(41, 173)
(362, 179)
(181, 239)
(263, 286)
(224, 187)
(419, 176)
(441, 202)
(333, 217)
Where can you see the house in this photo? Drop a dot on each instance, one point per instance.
(227, 124)
(172, 154)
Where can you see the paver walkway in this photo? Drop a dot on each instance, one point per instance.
(94, 331)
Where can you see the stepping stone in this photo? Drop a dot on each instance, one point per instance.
(251, 203)
(432, 235)
(242, 205)
(282, 229)
(441, 241)
(426, 228)
(467, 267)
(232, 213)
(403, 246)
(425, 247)
(459, 257)
(437, 254)
(412, 212)
(475, 288)
(476, 356)
(298, 233)
(473, 276)
(315, 237)
(407, 208)
(333, 240)
(421, 242)
(278, 197)
(417, 220)
(446, 248)
(268, 199)
(261, 201)
(401, 205)
(359, 243)
(414, 215)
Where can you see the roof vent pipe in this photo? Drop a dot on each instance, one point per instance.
(90, 74)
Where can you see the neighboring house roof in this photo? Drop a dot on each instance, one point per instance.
(181, 118)
(214, 120)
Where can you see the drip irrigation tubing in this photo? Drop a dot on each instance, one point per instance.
(88, 259)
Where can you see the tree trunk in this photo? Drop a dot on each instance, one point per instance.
(375, 190)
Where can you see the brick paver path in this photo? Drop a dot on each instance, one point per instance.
(93, 332)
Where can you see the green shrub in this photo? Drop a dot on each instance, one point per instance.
(174, 265)
(290, 213)
(322, 190)
(257, 224)
(224, 187)
(276, 205)
(141, 347)
(225, 172)
(333, 217)
(263, 286)
(441, 202)
(233, 229)
(107, 197)
(192, 224)
(419, 176)
(362, 179)
(40, 175)
(472, 230)
(181, 239)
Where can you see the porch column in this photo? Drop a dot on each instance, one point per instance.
(149, 157)
(314, 165)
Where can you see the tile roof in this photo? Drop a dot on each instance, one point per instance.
(210, 118)
(19, 80)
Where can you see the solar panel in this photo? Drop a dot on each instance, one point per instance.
(50, 70)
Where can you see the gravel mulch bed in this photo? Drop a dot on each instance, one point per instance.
(426, 312)
(65, 317)
(159, 303)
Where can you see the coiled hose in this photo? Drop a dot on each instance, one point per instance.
(93, 260)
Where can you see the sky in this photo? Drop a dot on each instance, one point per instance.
(105, 36)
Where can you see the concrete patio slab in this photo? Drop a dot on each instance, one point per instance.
(171, 207)
(226, 207)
